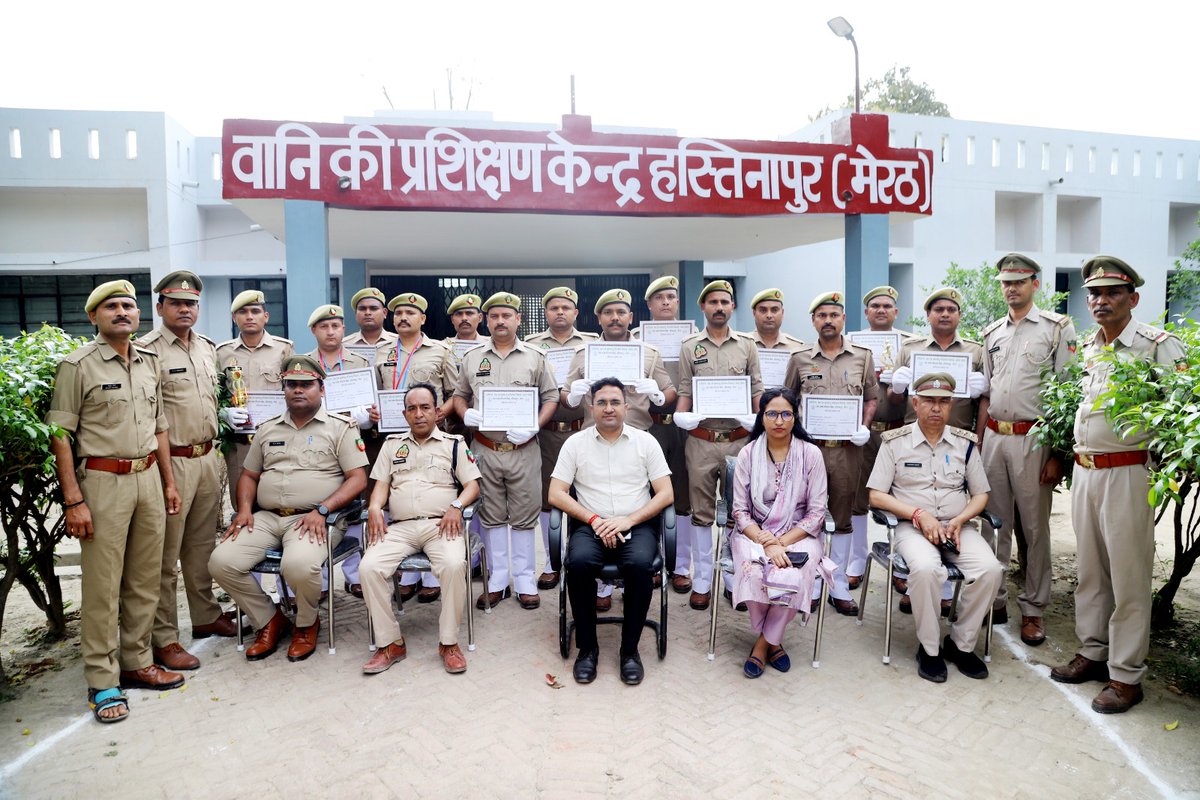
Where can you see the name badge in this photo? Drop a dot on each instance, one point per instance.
(176, 371)
(700, 361)
(913, 464)
(276, 444)
(994, 349)
(108, 387)
(399, 460)
(814, 377)
(389, 363)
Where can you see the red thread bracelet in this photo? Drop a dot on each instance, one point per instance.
(594, 517)
(915, 516)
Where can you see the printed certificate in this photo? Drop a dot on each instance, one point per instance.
(462, 346)
(667, 335)
(262, 406)
(367, 351)
(620, 360)
(560, 360)
(885, 346)
(390, 405)
(832, 416)
(958, 365)
(717, 397)
(773, 366)
(507, 408)
(349, 389)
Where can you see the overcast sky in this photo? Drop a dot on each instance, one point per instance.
(752, 69)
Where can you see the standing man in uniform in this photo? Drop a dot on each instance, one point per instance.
(302, 465)
(1021, 352)
(466, 317)
(718, 350)
(561, 307)
(369, 312)
(187, 363)
(837, 366)
(415, 358)
(108, 399)
(1114, 523)
(768, 333)
(251, 361)
(511, 468)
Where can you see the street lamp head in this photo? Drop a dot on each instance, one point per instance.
(841, 27)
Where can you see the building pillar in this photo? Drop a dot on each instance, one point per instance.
(354, 278)
(306, 228)
(866, 262)
(691, 281)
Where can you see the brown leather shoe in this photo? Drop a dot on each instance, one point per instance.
(682, 584)
(173, 656)
(657, 580)
(304, 642)
(905, 605)
(1080, 670)
(452, 658)
(1117, 698)
(224, 625)
(853, 581)
(384, 657)
(548, 580)
(1032, 632)
(151, 677)
(354, 589)
(603, 603)
(900, 585)
(406, 593)
(699, 600)
(266, 641)
(493, 598)
(529, 601)
(847, 608)
(946, 606)
(429, 594)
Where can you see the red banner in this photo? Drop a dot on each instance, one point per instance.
(574, 170)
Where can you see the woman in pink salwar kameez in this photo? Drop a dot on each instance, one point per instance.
(780, 492)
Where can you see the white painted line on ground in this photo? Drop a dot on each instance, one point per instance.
(1084, 707)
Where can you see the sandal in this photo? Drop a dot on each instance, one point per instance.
(777, 657)
(753, 667)
(101, 699)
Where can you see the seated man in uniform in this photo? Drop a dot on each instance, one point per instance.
(925, 473)
(614, 468)
(425, 477)
(301, 465)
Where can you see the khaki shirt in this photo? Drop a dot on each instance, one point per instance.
(302, 467)
(850, 372)
(546, 341)
(450, 340)
(189, 385)
(611, 478)
(113, 410)
(939, 479)
(785, 342)
(431, 362)
(524, 365)
(349, 360)
(385, 337)
(962, 409)
(885, 411)
(639, 404)
(701, 357)
(1016, 357)
(419, 475)
(1093, 433)
(261, 365)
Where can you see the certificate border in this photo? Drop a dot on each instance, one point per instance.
(899, 345)
(965, 390)
(254, 428)
(710, 379)
(483, 393)
(846, 397)
(338, 377)
(664, 322)
(379, 426)
(785, 353)
(587, 358)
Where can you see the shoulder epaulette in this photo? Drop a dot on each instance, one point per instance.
(283, 340)
(145, 350)
(992, 326)
(589, 335)
(968, 435)
(859, 346)
(975, 342)
(343, 417)
(75, 356)
(887, 436)
(152, 336)
(205, 338)
(227, 343)
(1060, 320)
(695, 336)
(269, 421)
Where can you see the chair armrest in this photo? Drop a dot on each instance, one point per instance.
(830, 525)
(353, 511)
(468, 512)
(668, 537)
(556, 538)
(884, 517)
(992, 519)
(722, 513)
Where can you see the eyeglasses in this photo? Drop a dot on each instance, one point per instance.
(608, 403)
(786, 416)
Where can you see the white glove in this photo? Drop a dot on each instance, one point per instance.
(474, 418)
(686, 420)
(885, 376)
(977, 384)
(901, 378)
(521, 436)
(234, 417)
(747, 422)
(649, 386)
(579, 388)
(860, 436)
(362, 415)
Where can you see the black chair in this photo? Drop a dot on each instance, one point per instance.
(611, 573)
(273, 559)
(885, 553)
(723, 564)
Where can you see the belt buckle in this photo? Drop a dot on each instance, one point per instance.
(879, 427)
(833, 442)
(667, 419)
(285, 512)
(1087, 461)
(721, 437)
(1005, 427)
(504, 447)
(197, 450)
(562, 427)
(139, 464)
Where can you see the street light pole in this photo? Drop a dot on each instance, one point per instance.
(844, 29)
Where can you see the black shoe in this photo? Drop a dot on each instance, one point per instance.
(968, 663)
(585, 666)
(631, 670)
(931, 668)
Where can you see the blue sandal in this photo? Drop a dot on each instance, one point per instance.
(753, 667)
(777, 657)
(100, 699)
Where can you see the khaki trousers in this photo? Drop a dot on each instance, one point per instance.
(842, 465)
(1014, 466)
(234, 460)
(448, 559)
(301, 565)
(672, 439)
(121, 565)
(550, 443)
(706, 466)
(1114, 538)
(870, 451)
(190, 538)
(982, 576)
(511, 486)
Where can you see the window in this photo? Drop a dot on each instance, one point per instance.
(14, 142)
(27, 301)
(131, 145)
(55, 143)
(1020, 155)
(970, 151)
(93, 144)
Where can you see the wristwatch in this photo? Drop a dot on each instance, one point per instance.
(457, 504)
(323, 510)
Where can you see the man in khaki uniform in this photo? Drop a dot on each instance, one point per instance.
(662, 301)
(716, 351)
(561, 307)
(370, 310)
(768, 334)
(925, 475)
(249, 363)
(1114, 523)
(837, 366)
(415, 358)
(881, 312)
(425, 477)
(302, 465)
(108, 399)
(510, 460)
(1021, 350)
(614, 311)
(465, 316)
(187, 363)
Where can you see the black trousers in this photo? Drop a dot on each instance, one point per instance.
(586, 554)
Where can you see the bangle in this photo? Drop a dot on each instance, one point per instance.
(593, 518)
(72, 505)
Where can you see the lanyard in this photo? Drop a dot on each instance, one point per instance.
(339, 365)
(399, 376)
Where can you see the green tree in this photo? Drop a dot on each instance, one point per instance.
(983, 302)
(894, 92)
(1183, 287)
